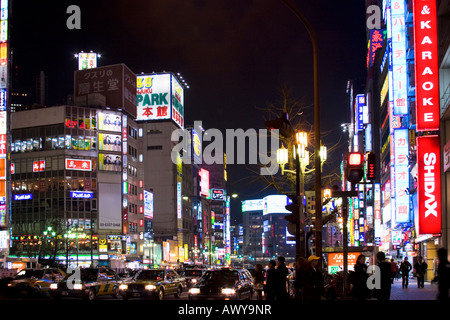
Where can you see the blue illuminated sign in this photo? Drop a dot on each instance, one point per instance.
(25, 196)
(82, 194)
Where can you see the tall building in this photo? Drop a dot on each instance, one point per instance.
(443, 24)
(398, 122)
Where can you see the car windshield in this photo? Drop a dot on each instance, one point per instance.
(221, 277)
(150, 275)
(27, 274)
(193, 273)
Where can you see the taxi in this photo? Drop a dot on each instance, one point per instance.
(152, 283)
(87, 283)
(35, 281)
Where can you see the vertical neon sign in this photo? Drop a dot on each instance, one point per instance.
(426, 65)
(4, 60)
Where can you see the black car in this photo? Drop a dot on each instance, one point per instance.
(86, 283)
(222, 284)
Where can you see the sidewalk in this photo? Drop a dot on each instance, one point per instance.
(428, 292)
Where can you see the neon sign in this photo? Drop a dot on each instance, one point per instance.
(426, 65)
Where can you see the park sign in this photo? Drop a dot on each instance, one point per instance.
(160, 97)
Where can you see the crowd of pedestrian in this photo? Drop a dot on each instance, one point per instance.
(309, 281)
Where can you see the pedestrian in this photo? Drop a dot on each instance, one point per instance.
(384, 292)
(258, 281)
(405, 268)
(421, 268)
(443, 275)
(394, 270)
(313, 288)
(269, 290)
(358, 280)
(300, 266)
(282, 272)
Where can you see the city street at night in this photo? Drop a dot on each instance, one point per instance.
(208, 158)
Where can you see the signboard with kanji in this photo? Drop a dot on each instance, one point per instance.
(79, 164)
(116, 82)
(160, 97)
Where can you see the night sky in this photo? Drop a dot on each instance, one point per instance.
(235, 55)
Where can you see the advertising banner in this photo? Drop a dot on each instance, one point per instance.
(109, 142)
(109, 162)
(426, 65)
(429, 184)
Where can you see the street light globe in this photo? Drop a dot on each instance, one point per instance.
(282, 156)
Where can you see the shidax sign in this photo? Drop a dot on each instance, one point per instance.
(258, 148)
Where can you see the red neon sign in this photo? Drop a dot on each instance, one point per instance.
(429, 184)
(426, 65)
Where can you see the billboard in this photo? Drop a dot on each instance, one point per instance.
(109, 142)
(426, 65)
(109, 162)
(148, 204)
(87, 60)
(160, 97)
(429, 184)
(204, 182)
(110, 206)
(275, 204)
(252, 205)
(116, 82)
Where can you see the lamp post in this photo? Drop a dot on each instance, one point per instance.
(317, 161)
(301, 161)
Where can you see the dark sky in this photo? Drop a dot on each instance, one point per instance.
(234, 54)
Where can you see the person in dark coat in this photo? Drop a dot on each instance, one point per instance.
(360, 291)
(313, 288)
(405, 268)
(271, 281)
(421, 268)
(384, 292)
(443, 275)
(282, 273)
(300, 266)
(258, 281)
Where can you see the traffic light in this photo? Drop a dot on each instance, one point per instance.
(282, 124)
(355, 163)
(370, 164)
(293, 207)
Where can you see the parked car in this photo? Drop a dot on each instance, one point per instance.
(222, 284)
(153, 283)
(87, 284)
(35, 281)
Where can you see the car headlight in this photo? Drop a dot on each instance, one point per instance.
(77, 286)
(194, 290)
(150, 287)
(54, 286)
(228, 291)
(123, 287)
